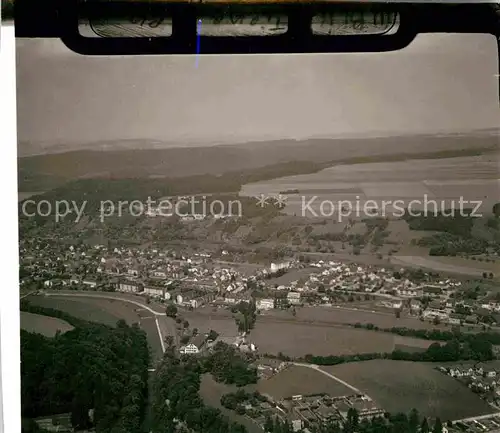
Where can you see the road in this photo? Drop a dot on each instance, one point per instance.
(114, 298)
(331, 376)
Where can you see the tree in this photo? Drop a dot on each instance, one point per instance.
(438, 426)
(212, 335)
(496, 209)
(171, 310)
(413, 421)
(424, 427)
(268, 424)
(351, 424)
(169, 340)
(79, 414)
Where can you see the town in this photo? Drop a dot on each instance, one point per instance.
(209, 278)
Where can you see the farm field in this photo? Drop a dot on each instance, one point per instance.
(470, 177)
(407, 344)
(103, 311)
(399, 386)
(296, 380)
(280, 332)
(211, 393)
(318, 316)
(461, 267)
(294, 339)
(221, 322)
(382, 320)
(106, 311)
(160, 308)
(44, 325)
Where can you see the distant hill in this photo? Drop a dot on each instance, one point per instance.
(150, 158)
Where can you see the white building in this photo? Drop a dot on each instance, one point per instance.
(297, 425)
(409, 292)
(431, 313)
(275, 267)
(153, 291)
(128, 286)
(194, 347)
(159, 274)
(189, 349)
(133, 272)
(293, 298)
(265, 304)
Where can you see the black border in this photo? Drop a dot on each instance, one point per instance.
(59, 18)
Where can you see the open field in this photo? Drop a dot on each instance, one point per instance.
(408, 344)
(442, 179)
(296, 380)
(103, 311)
(455, 266)
(463, 262)
(319, 316)
(44, 325)
(212, 391)
(398, 386)
(382, 320)
(220, 321)
(106, 311)
(298, 340)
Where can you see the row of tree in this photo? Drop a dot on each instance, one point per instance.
(477, 349)
(436, 334)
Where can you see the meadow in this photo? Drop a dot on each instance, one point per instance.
(295, 380)
(399, 386)
(105, 311)
(44, 325)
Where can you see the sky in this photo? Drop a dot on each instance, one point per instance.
(439, 83)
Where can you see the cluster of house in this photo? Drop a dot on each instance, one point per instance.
(193, 280)
(188, 281)
(200, 342)
(331, 278)
(480, 424)
(315, 410)
(480, 380)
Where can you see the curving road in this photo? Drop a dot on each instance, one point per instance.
(331, 376)
(114, 298)
(123, 299)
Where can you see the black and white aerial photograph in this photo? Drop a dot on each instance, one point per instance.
(260, 243)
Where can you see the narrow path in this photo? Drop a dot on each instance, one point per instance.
(159, 335)
(331, 376)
